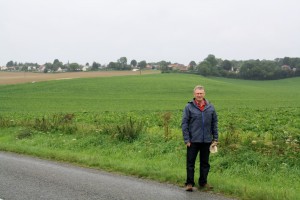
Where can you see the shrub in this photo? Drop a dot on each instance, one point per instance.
(129, 131)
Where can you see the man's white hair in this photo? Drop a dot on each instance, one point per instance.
(199, 87)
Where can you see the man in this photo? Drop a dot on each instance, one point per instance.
(200, 130)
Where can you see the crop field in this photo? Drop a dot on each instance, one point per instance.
(25, 77)
(131, 125)
(149, 92)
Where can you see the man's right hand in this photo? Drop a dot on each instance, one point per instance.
(188, 144)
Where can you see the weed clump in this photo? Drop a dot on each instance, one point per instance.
(166, 117)
(5, 122)
(129, 131)
(23, 134)
(58, 122)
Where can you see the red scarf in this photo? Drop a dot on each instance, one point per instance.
(201, 105)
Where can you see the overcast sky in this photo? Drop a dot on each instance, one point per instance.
(153, 30)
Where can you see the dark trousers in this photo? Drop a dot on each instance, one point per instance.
(192, 153)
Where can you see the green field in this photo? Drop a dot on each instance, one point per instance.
(149, 92)
(86, 122)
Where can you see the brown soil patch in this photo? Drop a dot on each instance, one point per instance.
(25, 77)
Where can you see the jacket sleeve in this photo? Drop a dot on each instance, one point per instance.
(214, 125)
(185, 124)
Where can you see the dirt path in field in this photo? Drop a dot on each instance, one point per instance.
(25, 77)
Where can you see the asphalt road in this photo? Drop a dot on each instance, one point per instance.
(27, 178)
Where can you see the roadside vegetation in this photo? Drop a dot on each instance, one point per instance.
(131, 125)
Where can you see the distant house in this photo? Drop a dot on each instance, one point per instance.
(150, 66)
(3, 68)
(59, 69)
(41, 68)
(294, 69)
(13, 68)
(179, 67)
(86, 68)
(285, 67)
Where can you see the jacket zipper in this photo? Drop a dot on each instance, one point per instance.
(202, 124)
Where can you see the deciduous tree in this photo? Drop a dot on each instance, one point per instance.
(192, 65)
(133, 63)
(95, 66)
(123, 63)
(142, 64)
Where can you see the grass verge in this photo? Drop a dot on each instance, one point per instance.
(249, 165)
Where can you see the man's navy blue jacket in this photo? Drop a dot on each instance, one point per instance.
(199, 126)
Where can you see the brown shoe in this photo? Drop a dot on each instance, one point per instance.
(189, 188)
(206, 187)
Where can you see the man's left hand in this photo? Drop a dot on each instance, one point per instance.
(214, 143)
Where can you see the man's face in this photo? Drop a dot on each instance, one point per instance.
(199, 95)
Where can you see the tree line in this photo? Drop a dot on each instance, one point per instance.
(211, 66)
(249, 69)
